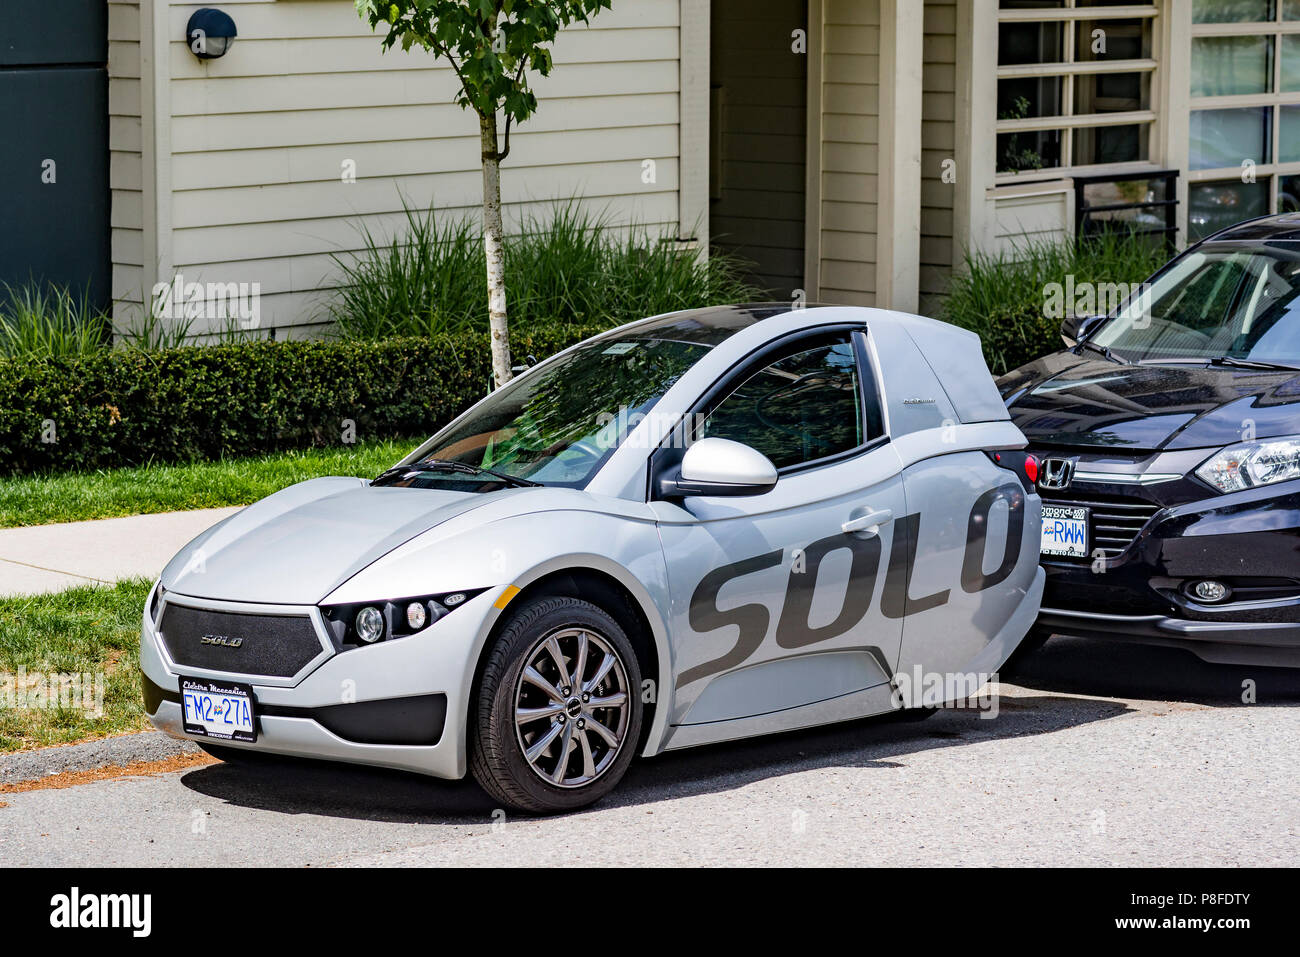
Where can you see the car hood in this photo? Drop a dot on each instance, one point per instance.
(296, 546)
(1073, 401)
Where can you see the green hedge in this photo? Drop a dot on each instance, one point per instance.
(131, 407)
(1002, 295)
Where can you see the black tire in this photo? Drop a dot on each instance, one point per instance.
(496, 749)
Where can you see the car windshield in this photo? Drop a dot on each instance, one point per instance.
(1218, 303)
(554, 426)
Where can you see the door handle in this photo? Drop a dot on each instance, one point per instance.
(868, 523)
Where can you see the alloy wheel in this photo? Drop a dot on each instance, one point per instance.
(572, 707)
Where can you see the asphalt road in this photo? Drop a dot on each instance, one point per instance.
(1100, 754)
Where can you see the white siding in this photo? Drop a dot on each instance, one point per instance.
(938, 144)
(259, 139)
(126, 170)
(850, 97)
(1040, 212)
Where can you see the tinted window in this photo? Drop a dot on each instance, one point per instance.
(1230, 301)
(558, 424)
(800, 408)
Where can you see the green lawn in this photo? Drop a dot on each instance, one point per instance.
(93, 631)
(171, 488)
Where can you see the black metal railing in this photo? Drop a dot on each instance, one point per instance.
(1144, 204)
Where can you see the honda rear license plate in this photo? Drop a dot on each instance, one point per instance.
(1065, 531)
(218, 709)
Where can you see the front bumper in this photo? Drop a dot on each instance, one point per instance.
(1250, 540)
(1229, 642)
(398, 704)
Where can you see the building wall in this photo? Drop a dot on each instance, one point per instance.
(938, 146)
(126, 145)
(849, 138)
(759, 87)
(232, 170)
(1038, 212)
(998, 212)
(258, 141)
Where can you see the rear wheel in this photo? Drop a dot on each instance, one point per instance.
(558, 712)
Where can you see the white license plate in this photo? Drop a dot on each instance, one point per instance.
(218, 709)
(1065, 531)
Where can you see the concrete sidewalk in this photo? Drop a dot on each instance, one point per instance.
(39, 559)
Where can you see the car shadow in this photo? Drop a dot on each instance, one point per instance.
(350, 791)
(1126, 670)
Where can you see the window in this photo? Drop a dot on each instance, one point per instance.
(800, 408)
(1245, 122)
(558, 424)
(1074, 84)
(1218, 301)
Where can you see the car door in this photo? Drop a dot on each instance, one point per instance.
(776, 598)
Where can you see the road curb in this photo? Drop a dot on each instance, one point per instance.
(91, 755)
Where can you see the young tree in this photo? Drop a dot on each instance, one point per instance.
(492, 45)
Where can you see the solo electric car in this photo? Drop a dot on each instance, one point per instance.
(1169, 441)
(694, 528)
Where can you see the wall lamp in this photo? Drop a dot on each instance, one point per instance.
(210, 33)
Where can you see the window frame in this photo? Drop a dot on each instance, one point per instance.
(787, 346)
(1067, 121)
(1274, 29)
(670, 451)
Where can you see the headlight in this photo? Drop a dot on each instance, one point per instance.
(370, 624)
(1252, 464)
(367, 623)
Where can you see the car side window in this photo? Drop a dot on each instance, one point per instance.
(802, 407)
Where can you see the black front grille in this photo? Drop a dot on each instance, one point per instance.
(272, 646)
(1113, 523)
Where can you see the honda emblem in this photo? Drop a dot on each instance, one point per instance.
(1056, 473)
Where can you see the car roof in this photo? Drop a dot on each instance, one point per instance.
(709, 325)
(932, 374)
(1284, 227)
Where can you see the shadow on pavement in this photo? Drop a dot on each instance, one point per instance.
(290, 786)
(344, 791)
(1124, 670)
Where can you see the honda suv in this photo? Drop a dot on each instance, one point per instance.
(1168, 440)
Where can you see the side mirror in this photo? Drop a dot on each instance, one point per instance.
(719, 467)
(1074, 329)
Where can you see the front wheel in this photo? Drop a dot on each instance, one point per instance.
(557, 714)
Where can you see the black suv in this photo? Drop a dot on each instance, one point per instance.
(1168, 438)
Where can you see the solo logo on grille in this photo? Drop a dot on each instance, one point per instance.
(222, 640)
(1056, 473)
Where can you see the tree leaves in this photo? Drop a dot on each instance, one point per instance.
(493, 45)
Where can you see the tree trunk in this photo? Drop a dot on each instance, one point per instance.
(495, 252)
